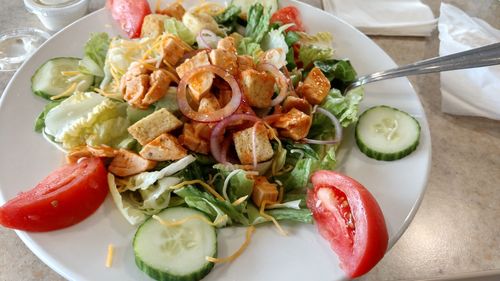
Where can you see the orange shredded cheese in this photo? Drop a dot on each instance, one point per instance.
(240, 200)
(70, 73)
(250, 231)
(109, 256)
(205, 185)
(66, 93)
(271, 218)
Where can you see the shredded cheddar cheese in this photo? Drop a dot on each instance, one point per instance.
(271, 218)
(240, 200)
(70, 73)
(250, 231)
(202, 183)
(109, 257)
(66, 93)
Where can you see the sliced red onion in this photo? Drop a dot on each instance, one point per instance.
(272, 118)
(207, 39)
(254, 145)
(281, 80)
(217, 135)
(216, 115)
(336, 124)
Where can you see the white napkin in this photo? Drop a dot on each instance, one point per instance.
(385, 17)
(471, 92)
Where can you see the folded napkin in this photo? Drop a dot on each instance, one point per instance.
(471, 92)
(385, 17)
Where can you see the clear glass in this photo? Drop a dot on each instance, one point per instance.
(17, 45)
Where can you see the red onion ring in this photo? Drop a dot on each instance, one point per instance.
(217, 115)
(336, 124)
(281, 80)
(217, 134)
(207, 39)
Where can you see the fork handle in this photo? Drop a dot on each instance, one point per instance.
(483, 56)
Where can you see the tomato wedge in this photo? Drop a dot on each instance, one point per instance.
(129, 14)
(348, 217)
(65, 197)
(287, 15)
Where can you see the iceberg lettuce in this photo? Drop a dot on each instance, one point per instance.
(88, 119)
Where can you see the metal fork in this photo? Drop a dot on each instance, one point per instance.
(483, 56)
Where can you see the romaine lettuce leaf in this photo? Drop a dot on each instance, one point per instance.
(228, 18)
(258, 22)
(321, 39)
(95, 51)
(40, 120)
(247, 47)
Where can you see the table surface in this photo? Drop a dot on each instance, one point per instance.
(455, 232)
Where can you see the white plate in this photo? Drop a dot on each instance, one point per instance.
(79, 252)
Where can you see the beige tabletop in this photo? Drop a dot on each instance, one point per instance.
(456, 231)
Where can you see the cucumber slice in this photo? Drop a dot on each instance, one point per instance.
(177, 252)
(48, 80)
(246, 4)
(386, 133)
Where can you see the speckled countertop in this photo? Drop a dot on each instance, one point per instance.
(456, 231)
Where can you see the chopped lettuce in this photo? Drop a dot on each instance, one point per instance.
(258, 22)
(310, 53)
(345, 108)
(320, 39)
(298, 177)
(147, 193)
(95, 51)
(131, 213)
(176, 27)
(40, 120)
(213, 207)
(88, 119)
(247, 47)
(146, 179)
(340, 72)
(289, 214)
(228, 18)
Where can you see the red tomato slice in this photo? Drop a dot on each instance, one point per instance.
(287, 15)
(129, 14)
(65, 197)
(348, 217)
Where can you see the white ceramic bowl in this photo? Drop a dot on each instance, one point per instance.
(57, 14)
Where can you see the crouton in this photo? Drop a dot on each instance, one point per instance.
(315, 86)
(175, 10)
(298, 103)
(173, 50)
(192, 139)
(153, 125)
(244, 147)
(200, 83)
(258, 88)
(127, 163)
(264, 191)
(135, 89)
(208, 104)
(159, 82)
(153, 25)
(227, 44)
(225, 60)
(162, 148)
(294, 124)
(245, 62)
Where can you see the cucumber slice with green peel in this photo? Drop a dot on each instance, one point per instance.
(386, 133)
(178, 253)
(49, 81)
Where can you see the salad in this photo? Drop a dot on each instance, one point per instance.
(209, 117)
